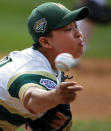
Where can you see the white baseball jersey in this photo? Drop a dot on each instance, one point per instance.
(18, 72)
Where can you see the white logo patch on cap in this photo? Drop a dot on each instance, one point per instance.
(40, 25)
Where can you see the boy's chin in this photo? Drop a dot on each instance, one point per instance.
(77, 56)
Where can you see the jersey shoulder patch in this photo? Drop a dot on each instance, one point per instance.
(49, 84)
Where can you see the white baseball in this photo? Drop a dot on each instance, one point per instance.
(64, 62)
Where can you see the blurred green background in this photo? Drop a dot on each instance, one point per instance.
(14, 36)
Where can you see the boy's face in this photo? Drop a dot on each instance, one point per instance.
(67, 40)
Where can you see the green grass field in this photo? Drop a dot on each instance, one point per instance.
(91, 125)
(14, 36)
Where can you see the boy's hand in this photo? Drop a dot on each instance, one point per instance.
(59, 121)
(66, 92)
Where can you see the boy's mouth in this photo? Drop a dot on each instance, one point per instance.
(81, 43)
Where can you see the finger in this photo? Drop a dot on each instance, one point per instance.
(61, 116)
(63, 85)
(54, 126)
(57, 123)
(74, 88)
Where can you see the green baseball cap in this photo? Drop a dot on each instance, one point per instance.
(50, 16)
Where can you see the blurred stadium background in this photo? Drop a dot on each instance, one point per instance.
(92, 110)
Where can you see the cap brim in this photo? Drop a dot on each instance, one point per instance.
(75, 15)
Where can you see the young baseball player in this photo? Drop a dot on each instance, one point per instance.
(30, 89)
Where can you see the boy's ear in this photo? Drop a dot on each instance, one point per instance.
(44, 42)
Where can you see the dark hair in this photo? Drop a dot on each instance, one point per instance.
(35, 46)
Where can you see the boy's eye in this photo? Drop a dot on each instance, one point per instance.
(72, 28)
(68, 29)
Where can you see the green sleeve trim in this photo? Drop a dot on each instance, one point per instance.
(45, 82)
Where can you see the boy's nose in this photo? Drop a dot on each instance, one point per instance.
(78, 34)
